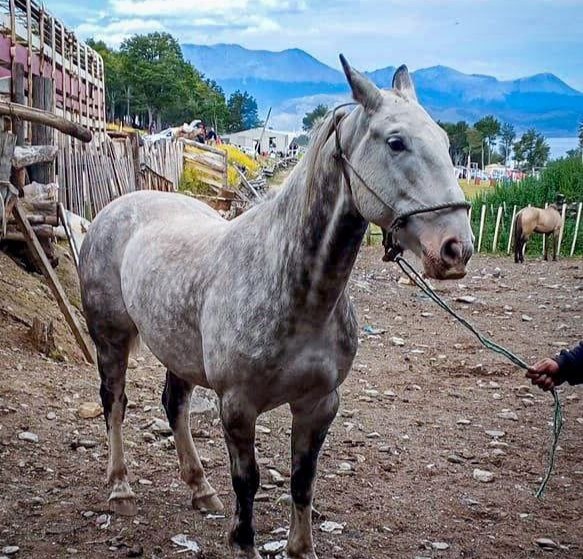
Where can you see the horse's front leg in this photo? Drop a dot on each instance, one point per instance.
(176, 401)
(546, 253)
(239, 418)
(311, 422)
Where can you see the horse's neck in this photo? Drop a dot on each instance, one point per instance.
(320, 229)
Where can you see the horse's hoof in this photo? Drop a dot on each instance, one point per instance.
(210, 503)
(123, 506)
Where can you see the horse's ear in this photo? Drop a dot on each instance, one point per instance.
(363, 90)
(402, 82)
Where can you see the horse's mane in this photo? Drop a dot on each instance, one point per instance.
(315, 164)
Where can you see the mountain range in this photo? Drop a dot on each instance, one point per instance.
(293, 82)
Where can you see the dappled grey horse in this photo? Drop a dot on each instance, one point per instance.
(257, 308)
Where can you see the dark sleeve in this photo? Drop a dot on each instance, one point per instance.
(571, 364)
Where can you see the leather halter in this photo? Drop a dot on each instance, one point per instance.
(400, 221)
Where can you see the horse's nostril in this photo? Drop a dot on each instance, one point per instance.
(452, 251)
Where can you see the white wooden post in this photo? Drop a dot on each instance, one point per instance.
(511, 230)
(497, 228)
(563, 213)
(544, 236)
(577, 222)
(482, 221)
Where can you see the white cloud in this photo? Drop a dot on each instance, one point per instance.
(114, 32)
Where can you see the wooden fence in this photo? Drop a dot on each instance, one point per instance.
(91, 176)
(494, 230)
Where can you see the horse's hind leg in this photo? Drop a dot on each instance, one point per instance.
(310, 427)
(176, 401)
(112, 360)
(555, 245)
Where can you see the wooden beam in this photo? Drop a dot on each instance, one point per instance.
(54, 283)
(32, 155)
(15, 110)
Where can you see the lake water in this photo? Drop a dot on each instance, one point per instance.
(560, 146)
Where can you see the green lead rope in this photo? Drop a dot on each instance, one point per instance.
(558, 420)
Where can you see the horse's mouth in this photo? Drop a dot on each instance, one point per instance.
(435, 268)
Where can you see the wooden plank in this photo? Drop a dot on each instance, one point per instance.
(576, 232)
(54, 283)
(482, 222)
(31, 155)
(202, 147)
(66, 226)
(18, 97)
(15, 110)
(497, 228)
(562, 231)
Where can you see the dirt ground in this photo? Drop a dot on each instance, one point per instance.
(397, 468)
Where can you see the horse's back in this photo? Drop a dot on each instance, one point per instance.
(539, 220)
(146, 220)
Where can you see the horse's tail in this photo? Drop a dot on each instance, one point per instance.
(517, 237)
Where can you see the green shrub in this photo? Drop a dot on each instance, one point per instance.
(564, 176)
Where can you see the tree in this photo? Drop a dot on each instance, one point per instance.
(531, 150)
(243, 114)
(489, 127)
(507, 137)
(457, 134)
(474, 141)
(158, 73)
(580, 136)
(312, 117)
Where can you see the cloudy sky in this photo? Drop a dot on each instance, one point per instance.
(504, 38)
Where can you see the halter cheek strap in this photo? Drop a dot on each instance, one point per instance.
(392, 249)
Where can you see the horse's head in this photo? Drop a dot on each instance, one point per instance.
(402, 157)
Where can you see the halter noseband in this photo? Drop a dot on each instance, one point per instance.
(400, 221)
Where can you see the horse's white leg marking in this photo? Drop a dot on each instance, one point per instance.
(239, 418)
(310, 427)
(176, 400)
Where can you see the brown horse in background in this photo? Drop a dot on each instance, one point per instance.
(536, 220)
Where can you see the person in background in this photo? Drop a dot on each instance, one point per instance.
(211, 136)
(200, 136)
(566, 367)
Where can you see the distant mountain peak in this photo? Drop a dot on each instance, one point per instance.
(292, 81)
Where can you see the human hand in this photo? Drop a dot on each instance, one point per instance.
(545, 374)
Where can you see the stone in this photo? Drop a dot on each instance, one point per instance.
(132, 363)
(204, 402)
(579, 420)
(374, 435)
(275, 477)
(28, 437)
(160, 427)
(546, 543)
(51, 416)
(89, 410)
(495, 434)
(468, 299)
(483, 476)
(455, 459)
(463, 422)
(508, 414)
(10, 550)
(272, 548)
(83, 443)
(149, 437)
(526, 318)
(145, 482)
(103, 520)
(330, 527)
(440, 546)
(398, 342)
(262, 429)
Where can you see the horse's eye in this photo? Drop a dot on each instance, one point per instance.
(396, 144)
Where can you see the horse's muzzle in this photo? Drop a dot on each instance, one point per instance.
(451, 260)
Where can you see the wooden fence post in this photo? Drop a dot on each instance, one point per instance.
(42, 135)
(577, 222)
(18, 97)
(497, 228)
(511, 230)
(544, 236)
(482, 221)
(563, 214)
